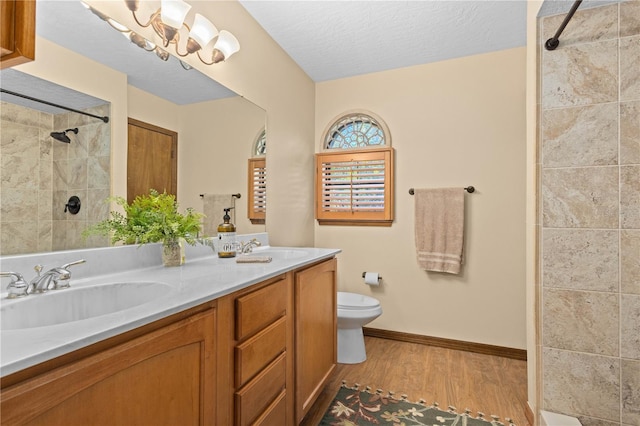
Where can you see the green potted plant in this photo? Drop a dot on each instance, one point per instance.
(152, 218)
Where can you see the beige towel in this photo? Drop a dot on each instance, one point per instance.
(213, 205)
(439, 229)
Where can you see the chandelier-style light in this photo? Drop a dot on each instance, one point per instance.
(169, 24)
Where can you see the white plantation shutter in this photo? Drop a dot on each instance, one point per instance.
(355, 186)
(257, 190)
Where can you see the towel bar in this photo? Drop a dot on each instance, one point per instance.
(233, 195)
(469, 189)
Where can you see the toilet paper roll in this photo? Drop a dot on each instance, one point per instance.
(371, 278)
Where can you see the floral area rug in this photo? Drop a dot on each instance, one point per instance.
(355, 407)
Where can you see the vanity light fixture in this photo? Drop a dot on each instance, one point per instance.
(169, 23)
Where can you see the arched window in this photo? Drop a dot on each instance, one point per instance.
(355, 131)
(354, 173)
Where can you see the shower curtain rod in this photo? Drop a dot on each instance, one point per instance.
(554, 41)
(105, 119)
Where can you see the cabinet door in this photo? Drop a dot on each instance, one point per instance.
(164, 377)
(17, 32)
(315, 332)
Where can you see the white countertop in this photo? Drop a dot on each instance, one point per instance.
(201, 279)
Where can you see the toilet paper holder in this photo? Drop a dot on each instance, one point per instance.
(379, 276)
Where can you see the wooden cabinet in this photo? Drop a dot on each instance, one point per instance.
(259, 356)
(161, 377)
(258, 331)
(315, 332)
(17, 32)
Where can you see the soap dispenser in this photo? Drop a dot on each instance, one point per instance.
(226, 236)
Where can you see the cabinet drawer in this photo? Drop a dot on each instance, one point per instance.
(254, 398)
(260, 308)
(259, 350)
(275, 414)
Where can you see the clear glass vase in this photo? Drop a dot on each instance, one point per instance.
(173, 253)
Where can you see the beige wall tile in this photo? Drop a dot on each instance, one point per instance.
(78, 144)
(584, 321)
(60, 174)
(98, 172)
(630, 392)
(629, 18)
(20, 172)
(587, 25)
(580, 75)
(630, 68)
(98, 138)
(19, 205)
(45, 235)
(45, 205)
(60, 199)
(580, 136)
(582, 384)
(46, 163)
(18, 238)
(585, 197)
(19, 140)
(630, 133)
(97, 205)
(630, 326)
(60, 233)
(77, 174)
(580, 259)
(630, 197)
(630, 261)
(19, 115)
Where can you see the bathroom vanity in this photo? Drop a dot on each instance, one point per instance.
(229, 344)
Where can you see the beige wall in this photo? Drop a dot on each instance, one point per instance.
(264, 74)
(220, 137)
(533, 6)
(454, 123)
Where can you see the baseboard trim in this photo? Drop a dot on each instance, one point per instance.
(528, 414)
(481, 348)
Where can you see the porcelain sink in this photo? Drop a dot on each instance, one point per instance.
(280, 253)
(77, 304)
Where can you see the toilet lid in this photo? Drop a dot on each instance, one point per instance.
(356, 301)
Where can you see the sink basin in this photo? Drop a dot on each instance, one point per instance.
(77, 304)
(277, 253)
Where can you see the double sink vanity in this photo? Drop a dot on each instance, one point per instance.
(213, 342)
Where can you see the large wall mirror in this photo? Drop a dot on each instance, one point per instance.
(216, 131)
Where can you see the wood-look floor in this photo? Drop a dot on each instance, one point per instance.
(486, 383)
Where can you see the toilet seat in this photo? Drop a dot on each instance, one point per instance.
(352, 301)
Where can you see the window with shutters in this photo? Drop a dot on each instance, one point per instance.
(257, 179)
(354, 173)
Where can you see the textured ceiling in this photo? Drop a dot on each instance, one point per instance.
(336, 39)
(328, 39)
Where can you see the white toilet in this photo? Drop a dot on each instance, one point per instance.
(354, 311)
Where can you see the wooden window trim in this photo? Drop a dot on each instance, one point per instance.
(357, 217)
(257, 213)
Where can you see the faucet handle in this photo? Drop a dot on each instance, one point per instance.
(38, 269)
(64, 277)
(17, 287)
(77, 262)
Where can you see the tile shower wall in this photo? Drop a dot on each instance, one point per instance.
(590, 216)
(38, 175)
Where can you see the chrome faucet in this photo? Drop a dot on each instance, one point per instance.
(53, 279)
(248, 247)
(17, 287)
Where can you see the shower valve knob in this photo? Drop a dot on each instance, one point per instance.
(73, 205)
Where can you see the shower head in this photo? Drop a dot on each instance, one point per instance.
(62, 136)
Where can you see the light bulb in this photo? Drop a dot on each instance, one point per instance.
(173, 12)
(227, 44)
(203, 31)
